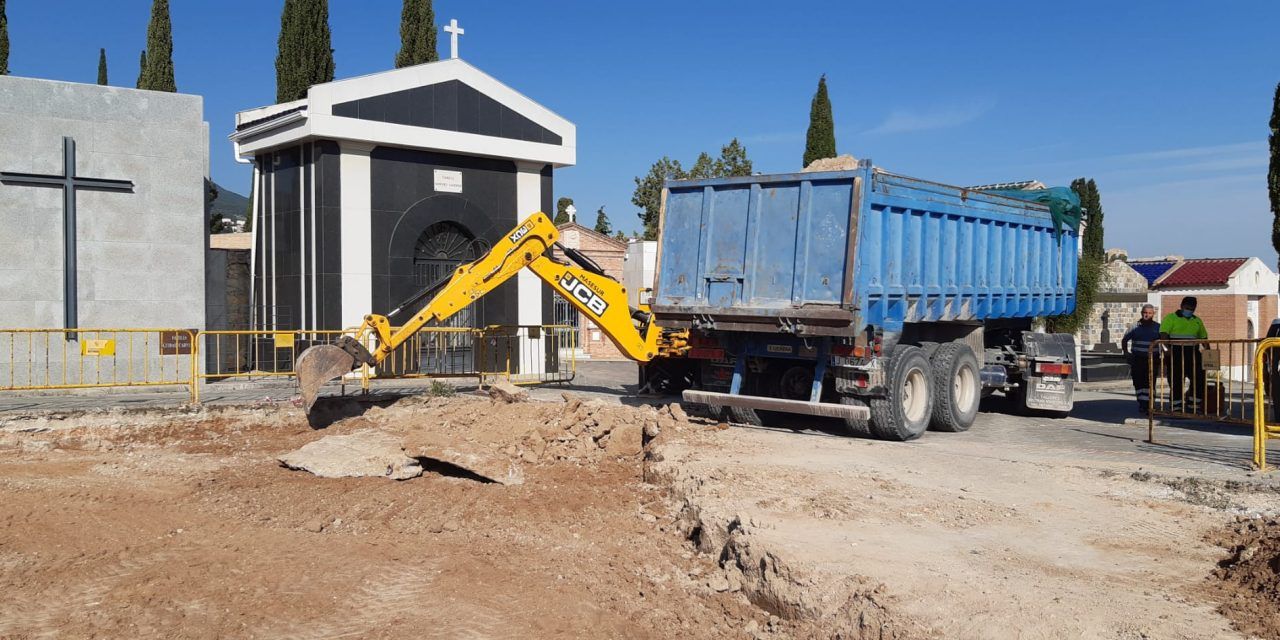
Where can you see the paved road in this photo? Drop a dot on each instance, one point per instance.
(1096, 432)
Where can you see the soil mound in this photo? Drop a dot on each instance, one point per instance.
(1248, 580)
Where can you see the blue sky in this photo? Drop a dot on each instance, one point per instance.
(1165, 104)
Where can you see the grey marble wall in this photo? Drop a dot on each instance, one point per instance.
(140, 255)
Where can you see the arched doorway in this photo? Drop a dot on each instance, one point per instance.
(439, 251)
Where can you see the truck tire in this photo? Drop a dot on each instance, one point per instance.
(743, 415)
(856, 428)
(903, 413)
(957, 387)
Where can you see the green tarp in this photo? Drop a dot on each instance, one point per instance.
(1063, 203)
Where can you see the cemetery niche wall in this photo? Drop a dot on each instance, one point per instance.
(103, 201)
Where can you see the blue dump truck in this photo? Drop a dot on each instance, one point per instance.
(892, 303)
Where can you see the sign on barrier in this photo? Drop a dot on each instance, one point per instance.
(36, 359)
(98, 348)
(177, 343)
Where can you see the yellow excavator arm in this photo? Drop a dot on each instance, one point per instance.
(584, 285)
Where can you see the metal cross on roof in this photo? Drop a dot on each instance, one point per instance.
(454, 31)
(69, 182)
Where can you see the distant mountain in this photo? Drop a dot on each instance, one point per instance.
(229, 203)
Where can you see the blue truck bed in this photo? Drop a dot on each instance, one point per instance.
(830, 253)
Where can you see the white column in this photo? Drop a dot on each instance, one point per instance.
(356, 225)
(529, 306)
(255, 219)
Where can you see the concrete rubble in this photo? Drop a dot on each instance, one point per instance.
(365, 453)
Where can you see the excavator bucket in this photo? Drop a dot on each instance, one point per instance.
(318, 365)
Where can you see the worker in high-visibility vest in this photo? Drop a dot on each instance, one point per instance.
(1136, 343)
(1184, 360)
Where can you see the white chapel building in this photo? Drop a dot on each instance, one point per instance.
(375, 187)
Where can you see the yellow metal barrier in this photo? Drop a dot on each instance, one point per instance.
(88, 358)
(257, 354)
(528, 354)
(1201, 380)
(1266, 416)
(432, 352)
(521, 354)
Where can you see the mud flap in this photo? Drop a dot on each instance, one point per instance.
(1050, 393)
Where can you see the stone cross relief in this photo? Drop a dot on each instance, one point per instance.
(69, 182)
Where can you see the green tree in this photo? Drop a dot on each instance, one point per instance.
(602, 222)
(703, 167)
(305, 49)
(620, 236)
(4, 41)
(142, 68)
(1093, 244)
(248, 214)
(417, 34)
(562, 210)
(648, 193)
(1092, 260)
(820, 142)
(1273, 173)
(102, 66)
(733, 161)
(157, 74)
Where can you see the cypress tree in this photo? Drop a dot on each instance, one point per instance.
(417, 34)
(562, 210)
(102, 66)
(1273, 173)
(142, 69)
(1092, 260)
(157, 75)
(305, 54)
(602, 222)
(821, 139)
(4, 41)
(1093, 244)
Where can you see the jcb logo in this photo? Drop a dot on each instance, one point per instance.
(520, 233)
(583, 293)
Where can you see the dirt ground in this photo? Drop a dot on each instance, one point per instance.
(951, 537)
(184, 525)
(622, 522)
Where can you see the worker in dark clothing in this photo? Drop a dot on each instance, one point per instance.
(1184, 359)
(1136, 343)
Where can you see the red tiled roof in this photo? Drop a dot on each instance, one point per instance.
(1204, 272)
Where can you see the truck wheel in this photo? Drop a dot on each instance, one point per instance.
(743, 415)
(957, 387)
(856, 428)
(904, 411)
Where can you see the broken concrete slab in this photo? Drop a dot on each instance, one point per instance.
(504, 391)
(488, 463)
(365, 453)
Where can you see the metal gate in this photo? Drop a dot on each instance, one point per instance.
(440, 250)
